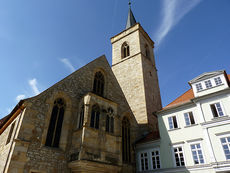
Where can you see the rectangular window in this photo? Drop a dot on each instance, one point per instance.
(208, 84)
(199, 87)
(10, 133)
(179, 157)
(172, 122)
(144, 162)
(217, 80)
(217, 110)
(197, 154)
(189, 119)
(156, 159)
(226, 146)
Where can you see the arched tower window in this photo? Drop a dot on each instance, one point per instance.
(125, 50)
(109, 121)
(147, 52)
(99, 82)
(95, 115)
(126, 151)
(81, 118)
(55, 126)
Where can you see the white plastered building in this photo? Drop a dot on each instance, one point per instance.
(194, 130)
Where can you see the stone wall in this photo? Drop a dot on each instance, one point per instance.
(31, 154)
(7, 143)
(137, 74)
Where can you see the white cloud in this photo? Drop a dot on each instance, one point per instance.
(68, 64)
(20, 97)
(33, 85)
(172, 12)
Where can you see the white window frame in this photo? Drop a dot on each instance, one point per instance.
(140, 160)
(173, 155)
(223, 136)
(190, 124)
(201, 146)
(151, 157)
(208, 84)
(199, 87)
(222, 108)
(217, 80)
(173, 122)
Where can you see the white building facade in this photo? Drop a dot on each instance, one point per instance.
(194, 130)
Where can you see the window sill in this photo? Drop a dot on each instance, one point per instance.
(52, 148)
(190, 125)
(174, 129)
(220, 118)
(180, 166)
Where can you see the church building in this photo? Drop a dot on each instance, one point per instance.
(91, 120)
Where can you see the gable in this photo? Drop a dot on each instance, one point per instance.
(206, 75)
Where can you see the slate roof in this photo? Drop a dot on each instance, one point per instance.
(131, 21)
(152, 136)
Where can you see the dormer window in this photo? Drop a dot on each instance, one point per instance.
(199, 87)
(208, 84)
(218, 80)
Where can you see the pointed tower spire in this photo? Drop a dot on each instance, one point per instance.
(131, 19)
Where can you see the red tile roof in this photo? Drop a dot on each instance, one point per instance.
(152, 136)
(186, 97)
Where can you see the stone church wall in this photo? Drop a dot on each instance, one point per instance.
(7, 143)
(30, 152)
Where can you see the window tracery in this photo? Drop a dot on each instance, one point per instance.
(99, 82)
(55, 125)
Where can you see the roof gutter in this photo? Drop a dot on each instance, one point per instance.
(15, 112)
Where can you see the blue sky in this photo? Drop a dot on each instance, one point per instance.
(41, 42)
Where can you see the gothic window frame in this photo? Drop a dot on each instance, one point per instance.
(109, 121)
(81, 116)
(125, 50)
(99, 83)
(126, 144)
(53, 135)
(95, 116)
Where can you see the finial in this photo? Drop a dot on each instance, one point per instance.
(129, 3)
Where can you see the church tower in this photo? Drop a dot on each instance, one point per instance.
(133, 64)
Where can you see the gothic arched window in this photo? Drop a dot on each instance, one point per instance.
(81, 118)
(125, 50)
(109, 121)
(147, 52)
(55, 126)
(95, 115)
(98, 84)
(126, 150)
